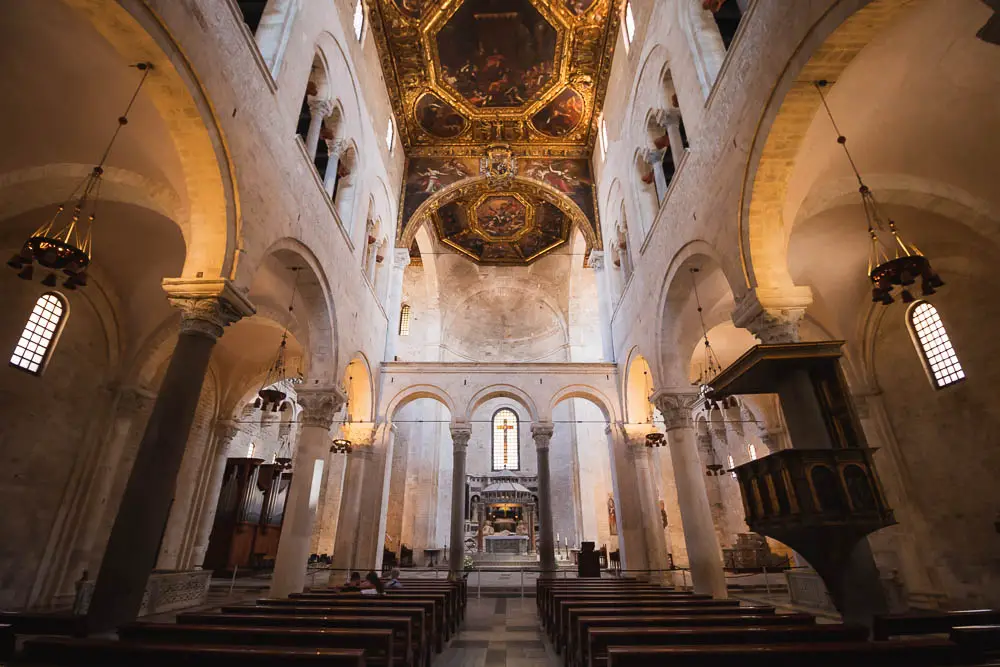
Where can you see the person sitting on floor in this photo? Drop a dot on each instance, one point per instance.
(372, 585)
(353, 585)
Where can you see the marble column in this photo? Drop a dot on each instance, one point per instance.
(320, 405)
(460, 434)
(401, 259)
(654, 158)
(207, 307)
(669, 120)
(345, 549)
(335, 148)
(704, 554)
(225, 432)
(656, 543)
(542, 434)
(597, 262)
(628, 505)
(318, 111)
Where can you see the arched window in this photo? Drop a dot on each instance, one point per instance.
(604, 136)
(404, 320)
(752, 448)
(359, 19)
(732, 464)
(727, 15)
(629, 24)
(506, 440)
(40, 334)
(390, 136)
(931, 340)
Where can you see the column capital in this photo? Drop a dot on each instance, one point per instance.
(460, 434)
(401, 258)
(207, 306)
(675, 407)
(542, 433)
(320, 404)
(597, 260)
(664, 118)
(320, 107)
(635, 435)
(771, 316)
(133, 400)
(335, 148)
(226, 431)
(652, 156)
(361, 434)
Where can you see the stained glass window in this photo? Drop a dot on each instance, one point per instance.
(506, 444)
(404, 320)
(934, 345)
(39, 335)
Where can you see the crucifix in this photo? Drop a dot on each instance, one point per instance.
(505, 427)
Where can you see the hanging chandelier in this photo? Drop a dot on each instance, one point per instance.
(271, 394)
(655, 439)
(891, 263)
(341, 446)
(65, 245)
(712, 365)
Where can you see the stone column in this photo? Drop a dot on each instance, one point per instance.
(628, 504)
(669, 120)
(704, 554)
(335, 148)
(656, 543)
(207, 307)
(713, 488)
(320, 404)
(225, 432)
(318, 111)
(604, 305)
(542, 433)
(401, 259)
(345, 550)
(654, 158)
(460, 434)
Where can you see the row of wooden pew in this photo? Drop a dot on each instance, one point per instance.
(405, 627)
(629, 623)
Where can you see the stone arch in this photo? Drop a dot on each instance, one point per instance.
(360, 385)
(586, 393)
(212, 221)
(637, 385)
(704, 41)
(340, 72)
(416, 392)
(504, 391)
(827, 49)
(467, 185)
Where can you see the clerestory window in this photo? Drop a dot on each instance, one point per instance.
(34, 347)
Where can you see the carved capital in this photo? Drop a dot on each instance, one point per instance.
(320, 405)
(542, 433)
(665, 118)
(207, 306)
(226, 431)
(401, 258)
(676, 408)
(321, 108)
(597, 260)
(651, 156)
(134, 400)
(773, 319)
(336, 148)
(460, 434)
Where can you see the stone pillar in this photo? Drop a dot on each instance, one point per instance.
(401, 259)
(320, 404)
(318, 111)
(334, 149)
(207, 307)
(656, 543)
(628, 504)
(654, 158)
(225, 432)
(345, 550)
(713, 488)
(669, 120)
(542, 433)
(460, 434)
(604, 305)
(704, 554)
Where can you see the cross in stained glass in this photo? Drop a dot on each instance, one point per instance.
(505, 427)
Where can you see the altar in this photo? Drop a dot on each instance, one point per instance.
(507, 544)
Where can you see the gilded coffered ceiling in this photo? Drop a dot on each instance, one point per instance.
(486, 92)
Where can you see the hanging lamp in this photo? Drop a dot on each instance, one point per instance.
(272, 394)
(341, 446)
(65, 245)
(891, 263)
(712, 366)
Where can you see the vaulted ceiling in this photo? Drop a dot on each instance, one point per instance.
(528, 75)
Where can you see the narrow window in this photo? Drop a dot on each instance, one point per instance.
(604, 136)
(934, 345)
(732, 464)
(390, 135)
(629, 25)
(404, 320)
(359, 19)
(506, 445)
(34, 347)
(753, 451)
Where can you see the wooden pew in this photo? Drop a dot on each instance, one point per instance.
(376, 643)
(925, 623)
(977, 639)
(443, 614)
(551, 612)
(599, 639)
(582, 622)
(561, 615)
(455, 592)
(545, 593)
(908, 653)
(113, 653)
(7, 641)
(420, 621)
(43, 623)
(407, 644)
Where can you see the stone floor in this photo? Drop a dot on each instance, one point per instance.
(499, 632)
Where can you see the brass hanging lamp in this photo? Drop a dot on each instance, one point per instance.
(272, 392)
(712, 365)
(66, 245)
(891, 263)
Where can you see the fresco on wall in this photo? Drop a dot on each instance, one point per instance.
(425, 176)
(569, 176)
(561, 116)
(438, 118)
(497, 53)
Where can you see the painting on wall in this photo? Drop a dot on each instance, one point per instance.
(438, 118)
(569, 176)
(497, 53)
(560, 116)
(425, 176)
